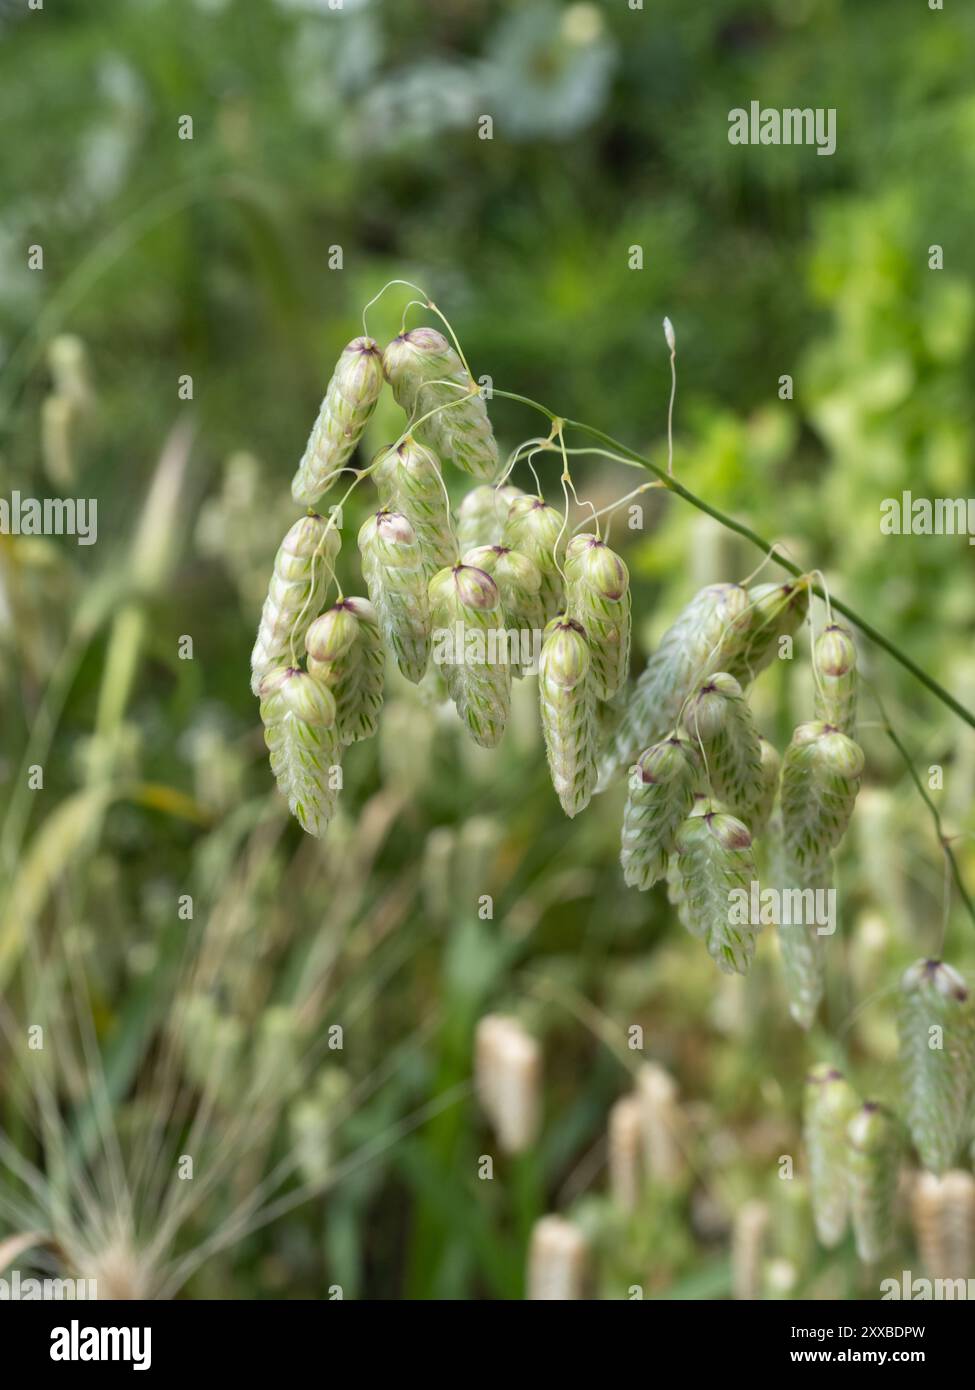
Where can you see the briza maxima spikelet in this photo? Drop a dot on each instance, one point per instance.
(704, 638)
(470, 644)
(393, 568)
(821, 775)
(350, 399)
(943, 1217)
(835, 664)
(802, 948)
(508, 1077)
(748, 1237)
(345, 650)
(775, 611)
(482, 513)
(519, 580)
(663, 1124)
(718, 715)
(568, 709)
(660, 795)
(829, 1103)
(302, 568)
(714, 857)
(533, 528)
(936, 1027)
(624, 1152)
(460, 432)
(771, 770)
(598, 594)
(298, 713)
(409, 481)
(873, 1153)
(558, 1259)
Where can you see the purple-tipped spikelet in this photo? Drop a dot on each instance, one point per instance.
(568, 707)
(936, 1026)
(350, 399)
(660, 795)
(345, 651)
(297, 588)
(298, 713)
(393, 568)
(598, 594)
(470, 642)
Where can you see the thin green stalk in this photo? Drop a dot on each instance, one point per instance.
(765, 546)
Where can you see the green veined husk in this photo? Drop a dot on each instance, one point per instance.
(395, 576)
(350, 399)
(482, 514)
(776, 610)
(598, 594)
(471, 645)
(718, 715)
(300, 576)
(802, 950)
(714, 858)
(298, 713)
(460, 432)
(345, 651)
(533, 528)
(519, 580)
(409, 481)
(835, 664)
(821, 775)
(660, 795)
(873, 1154)
(829, 1104)
(936, 1027)
(567, 702)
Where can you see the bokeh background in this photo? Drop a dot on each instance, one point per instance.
(213, 258)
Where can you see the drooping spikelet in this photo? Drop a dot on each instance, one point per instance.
(820, 779)
(558, 1259)
(470, 644)
(393, 568)
(715, 858)
(298, 713)
(409, 481)
(943, 1216)
(835, 663)
(873, 1153)
(460, 432)
(829, 1104)
(936, 1026)
(301, 571)
(659, 798)
(802, 948)
(508, 1078)
(775, 610)
(533, 528)
(520, 581)
(568, 709)
(704, 638)
(718, 715)
(481, 515)
(345, 650)
(598, 594)
(350, 399)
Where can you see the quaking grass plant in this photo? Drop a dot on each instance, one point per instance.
(510, 586)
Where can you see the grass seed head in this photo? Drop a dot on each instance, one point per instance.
(409, 481)
(466, 609)
(715, 856)
(776, 610)
(660, 795)
(936, 1029)
(298, 713)
(350, 399)
(873, 1154)
(533, 528)
(295, 593)
(598, 594)
(835, 659)
(719, 715)
(943, 1217)
(558, 1260)
(508, 1078)
(567, 701)
(395, 576)
(345, 651)
(829, 1103)
(821, 775)
(482, 513)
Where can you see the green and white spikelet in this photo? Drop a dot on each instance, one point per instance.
(393, 568)
(835, 664)
(567, 702)
(470, 644)
(298, 713)
(300, 576)
(775, 611)
(409, 481)
(936, 1027)
(460, 432)
(520, 581)
(345, 651)
(771, 771)
(829, 1105)
(350, 399)
(802, 949)
(873, 1154)
(706, 636)
(533, 528)
(821, 775)
(715, 859)
(659, 799)
(718, 714)
(598, 594)
(482, 513)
